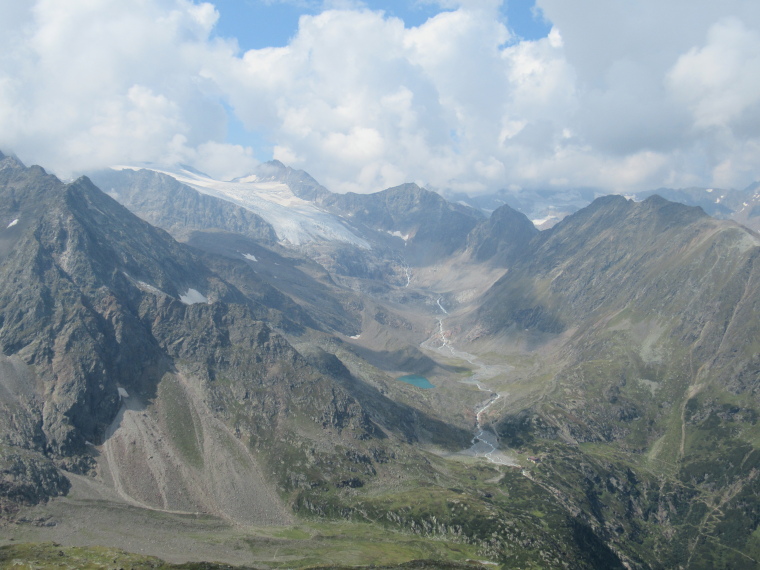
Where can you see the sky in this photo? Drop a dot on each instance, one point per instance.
(464, 95)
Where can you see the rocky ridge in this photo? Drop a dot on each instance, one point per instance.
(117, 337)
(622, 337)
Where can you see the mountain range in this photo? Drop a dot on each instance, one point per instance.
(548, 206)
(220, 356)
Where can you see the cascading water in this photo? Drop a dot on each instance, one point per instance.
(485, 443)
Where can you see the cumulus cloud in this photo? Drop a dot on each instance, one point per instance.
(363, 102)
(623, 96)
(87, 84)
(720, 82)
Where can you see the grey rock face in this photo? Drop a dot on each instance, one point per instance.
(94, 300)
(503, 237)
(300, 182)
(433, 227)
(162, 201)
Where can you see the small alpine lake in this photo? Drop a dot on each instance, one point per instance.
(415, 380)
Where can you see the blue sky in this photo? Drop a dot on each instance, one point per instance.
(258, 24)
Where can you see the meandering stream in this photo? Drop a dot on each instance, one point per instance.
(485, 443)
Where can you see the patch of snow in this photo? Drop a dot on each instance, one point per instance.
(150, 289)
(356, 336)
(398, 234)
(295, 221)
(746, 204)
(122, 392)
(143, 286)
(709, 189)
(13, 223)
(193, 297)
(250, 257)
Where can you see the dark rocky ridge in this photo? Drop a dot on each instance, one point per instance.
(436, 228)
(502, 238)
(89, 298)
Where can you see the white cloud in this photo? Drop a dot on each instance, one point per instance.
(720, 81)
(93, 83)
(622, 96)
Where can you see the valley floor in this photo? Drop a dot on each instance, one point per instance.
(93, 516)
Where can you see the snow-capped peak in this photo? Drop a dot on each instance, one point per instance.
(295, 220)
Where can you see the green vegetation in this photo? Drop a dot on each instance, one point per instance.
(48, 555)
(181, 420)
(306, 546)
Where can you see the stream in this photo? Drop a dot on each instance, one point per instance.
(485, 443)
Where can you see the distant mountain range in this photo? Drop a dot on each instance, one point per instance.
(546, 208)
(241, 352)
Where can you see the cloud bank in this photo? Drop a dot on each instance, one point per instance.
(620, 96)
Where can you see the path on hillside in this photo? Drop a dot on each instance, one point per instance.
(485, 443)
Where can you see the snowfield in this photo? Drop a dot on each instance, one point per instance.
(295, 221)
(192, 297)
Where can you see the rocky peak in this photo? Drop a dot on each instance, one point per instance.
(503, 237)
(299, 181)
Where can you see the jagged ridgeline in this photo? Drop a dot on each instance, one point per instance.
(126, 357)
(249, 371)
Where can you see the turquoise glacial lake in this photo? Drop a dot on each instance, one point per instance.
(414, 380)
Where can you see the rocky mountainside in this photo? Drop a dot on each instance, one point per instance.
(742, 206)
(129, 359)
(177, 208)
(364, 242)
(503, 237)
(430, 227)
(300, 182)
(583, 396)
(644, 315)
